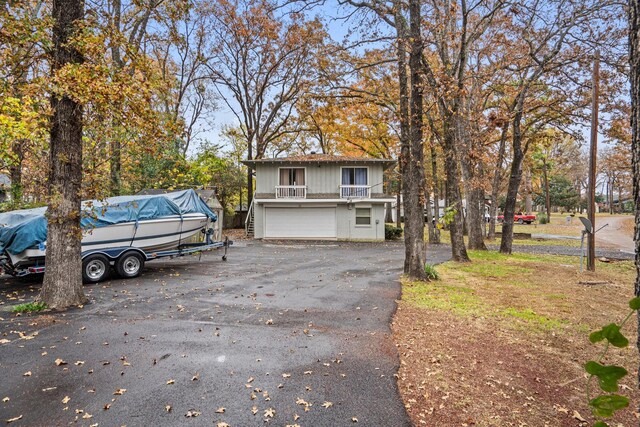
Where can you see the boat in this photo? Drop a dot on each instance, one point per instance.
(148, 226)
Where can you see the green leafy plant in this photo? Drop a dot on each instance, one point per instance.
(29, 307)
(431, 272)
(605, 405)
(542, 218)
(391, 232)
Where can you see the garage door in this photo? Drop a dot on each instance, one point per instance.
(310, 223)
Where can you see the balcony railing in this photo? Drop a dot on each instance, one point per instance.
(355, 191)
(291, 191)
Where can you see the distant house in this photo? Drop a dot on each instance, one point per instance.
(5, 187)
(319, 196)
(209, 197)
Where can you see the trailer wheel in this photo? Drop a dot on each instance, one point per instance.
(520, 221)
(130, 264)
(95, 268)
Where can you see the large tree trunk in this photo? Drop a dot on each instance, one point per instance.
(62, 286)
(414, 199)
(497, 178)
(515, 178)
(634, 59)
(474, 217)
(452, 189)
(115, 145)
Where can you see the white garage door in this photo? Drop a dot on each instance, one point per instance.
(311, 223)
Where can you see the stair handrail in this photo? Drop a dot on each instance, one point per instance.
(246, 220)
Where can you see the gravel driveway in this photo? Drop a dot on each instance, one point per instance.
(286, 333)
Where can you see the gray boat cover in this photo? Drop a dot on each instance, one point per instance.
(27, 228)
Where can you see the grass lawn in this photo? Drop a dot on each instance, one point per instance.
(501, 341)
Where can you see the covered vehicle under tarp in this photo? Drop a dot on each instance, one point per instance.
(25, 229)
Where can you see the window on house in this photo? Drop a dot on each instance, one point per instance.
(292, 176)
(354, 176)
(363, 216)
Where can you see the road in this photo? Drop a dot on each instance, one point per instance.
(615, 235)
(295, 333)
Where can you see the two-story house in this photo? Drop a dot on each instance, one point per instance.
(319, 197)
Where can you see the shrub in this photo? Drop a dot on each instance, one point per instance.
(391, 232)
(542, 218)
(29, 307)
(432, 274)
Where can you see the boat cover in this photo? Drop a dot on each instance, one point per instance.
(27, 228)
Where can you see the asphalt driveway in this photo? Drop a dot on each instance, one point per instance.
(286, 334)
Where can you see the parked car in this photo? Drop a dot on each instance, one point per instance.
(520, 218)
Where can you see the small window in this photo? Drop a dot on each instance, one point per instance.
(363, 216)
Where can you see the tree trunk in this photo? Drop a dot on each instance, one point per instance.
(497, 178)
(436, 193)
(528, 202)
(452, 190)
(62, 286)
(515, 178)
(634, 60)
(399, 203)
(414, 200)
(115, 145)
(15, 171)
(474, 217)
(547, 195)
(249, 175)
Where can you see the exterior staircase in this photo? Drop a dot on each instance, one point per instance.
(249, 222)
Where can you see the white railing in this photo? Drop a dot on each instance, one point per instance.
(355, 191)
(291, 191)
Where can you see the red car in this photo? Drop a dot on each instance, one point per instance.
(520, 218)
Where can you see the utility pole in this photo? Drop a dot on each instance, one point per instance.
(593, 150)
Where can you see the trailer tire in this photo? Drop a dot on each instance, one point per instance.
(520, 221)
(95, 268)
(130, 264)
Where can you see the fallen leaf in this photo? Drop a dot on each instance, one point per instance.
(60, 362)
(222, 424)
(327, 405)
(6, 399)
(4, 341)
(167, 408)
(119, 392)
(66, 400)
(192, 413)
(254, 410)
(196, 377)
(171, 382)
(220, 410)
(578, 417)
(286, 375)
(106, 406)
(269, 322)
(27, 374)
(87, 415)
(269, 413)
(10, 420)
(296, 417)
(250, 380)
(354, 419)
(79, 363)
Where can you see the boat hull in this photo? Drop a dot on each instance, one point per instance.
(149, 235)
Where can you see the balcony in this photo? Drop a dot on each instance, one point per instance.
(355, 191)
(291, 191)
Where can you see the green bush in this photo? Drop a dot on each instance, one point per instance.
(29, 307)
(432, 274)
(542, 218)
(391, 232)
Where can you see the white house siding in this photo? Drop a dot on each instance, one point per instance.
(320, 178)
(345, 219)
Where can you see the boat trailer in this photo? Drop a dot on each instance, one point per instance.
(127, 260)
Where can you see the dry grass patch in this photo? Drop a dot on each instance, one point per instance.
(502, 341)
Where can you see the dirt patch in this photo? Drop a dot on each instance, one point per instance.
(504, 344)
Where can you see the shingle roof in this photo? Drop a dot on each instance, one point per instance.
(319, 158)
